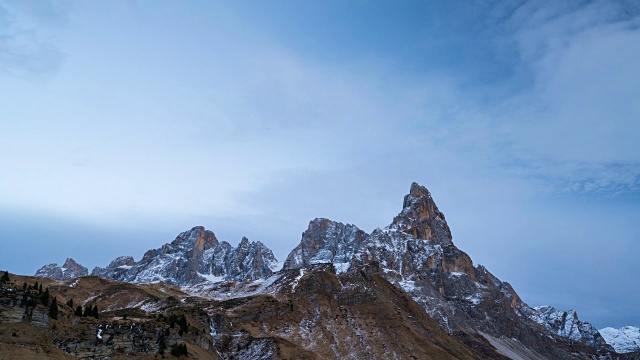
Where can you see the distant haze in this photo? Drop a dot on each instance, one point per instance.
(123, 124)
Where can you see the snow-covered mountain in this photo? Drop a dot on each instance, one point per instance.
(623, 340)
(567, 324)
(194, 256)
(69, 270)
(416, 252)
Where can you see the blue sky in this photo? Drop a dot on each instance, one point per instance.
(125, 123)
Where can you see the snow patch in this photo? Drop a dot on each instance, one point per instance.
(295, 282)
(212, 278)
(341, 267)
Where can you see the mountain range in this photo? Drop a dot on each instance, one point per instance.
(345, 293)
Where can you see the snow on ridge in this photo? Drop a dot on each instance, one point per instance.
(623, 340)
(225, 290)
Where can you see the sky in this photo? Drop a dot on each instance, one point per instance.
(124, 123)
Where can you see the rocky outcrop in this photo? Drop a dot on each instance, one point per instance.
(623, 340)
(567, 324)
(326, 241)
(69, 270)
(421, 218)
(249, 261)
(194, 256)
(313, 313)
(116, 270)
(22, 305)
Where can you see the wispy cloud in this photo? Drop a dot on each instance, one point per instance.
(575, 118)
(25, 30)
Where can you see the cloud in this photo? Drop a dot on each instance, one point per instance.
(26, 47)
(574, 119)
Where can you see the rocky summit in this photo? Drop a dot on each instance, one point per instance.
(402, 291)
(194, 256)
(69, 270)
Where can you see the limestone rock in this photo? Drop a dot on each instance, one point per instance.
(69, 270)
(116, 270)
(326, 241)
(194, 256)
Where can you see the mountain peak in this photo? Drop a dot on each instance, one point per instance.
(421, 218)
(197, 238)
(418, 190)
(71, 269)
(70, 263)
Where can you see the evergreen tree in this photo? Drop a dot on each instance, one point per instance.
(184, 326)
(40, 288)
(35, 286)
(44, 298)
(24, 286)
(94, 312)
(78, 311)
(87, 311)
(5, 277)
(179, 350)
(53, 309)
(70, 303)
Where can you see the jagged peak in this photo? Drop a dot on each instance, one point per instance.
(324, 223)
(70, 269)
(245, 243)
(198, 237)
(421, 218)
(319, 222)
(123, 258)
(70, 262)
(418, 190)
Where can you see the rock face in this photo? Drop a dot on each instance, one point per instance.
(69, 270)
(416, 252)
(326, 241)
(567, 324)
(314, 313)
(623, 340)
(421, 218)
(117, 269)
(194, 256)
